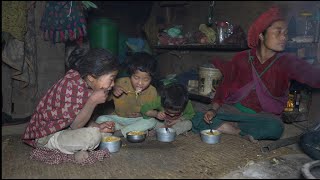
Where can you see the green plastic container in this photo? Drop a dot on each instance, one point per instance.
(104, 33)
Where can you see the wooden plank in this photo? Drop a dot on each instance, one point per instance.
(226, 47)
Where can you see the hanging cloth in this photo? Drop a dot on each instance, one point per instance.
(62, 21)
(268, 102)
(14, 18)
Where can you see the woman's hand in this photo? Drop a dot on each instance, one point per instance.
(118, 91)
(107, 127)
(98, 96)
(161, 115)
(209, 115)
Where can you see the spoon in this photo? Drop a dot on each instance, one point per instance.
(210, 127)
(130, 92)
(167, 129)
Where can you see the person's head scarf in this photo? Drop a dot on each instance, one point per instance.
(262, 23)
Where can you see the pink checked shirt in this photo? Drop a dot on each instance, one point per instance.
(58, 108)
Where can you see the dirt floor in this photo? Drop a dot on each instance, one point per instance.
(186, 157)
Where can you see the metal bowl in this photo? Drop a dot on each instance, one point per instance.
(166, 136)
(209, 138)
(112, 143)
(136, 136)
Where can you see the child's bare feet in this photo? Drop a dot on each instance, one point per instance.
(81, 156)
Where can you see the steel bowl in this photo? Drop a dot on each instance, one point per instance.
(210, 138)
(165, 135)
(112, 143)
(136, 136)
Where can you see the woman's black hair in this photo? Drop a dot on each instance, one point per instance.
(95, 62)
(143, 62)
(174, 96)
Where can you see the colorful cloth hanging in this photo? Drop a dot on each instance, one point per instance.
(62, 21)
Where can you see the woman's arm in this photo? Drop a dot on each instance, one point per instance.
(301, 71)
(230, 73)
(84, 115)
(228, 84)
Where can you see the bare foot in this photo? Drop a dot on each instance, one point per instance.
(234, 124)
(229, 128)
(232, 128)
(81, 156)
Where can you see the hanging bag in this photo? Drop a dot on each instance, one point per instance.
(63, 21)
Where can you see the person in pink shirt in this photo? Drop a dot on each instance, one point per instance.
(61, 119)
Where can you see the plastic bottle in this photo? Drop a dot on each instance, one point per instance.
(222, 28)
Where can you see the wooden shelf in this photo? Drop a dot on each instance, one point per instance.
(226, 47)
(213, 47)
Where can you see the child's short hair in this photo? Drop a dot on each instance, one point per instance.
(174, 96)
(143, 62)
(95, 62)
